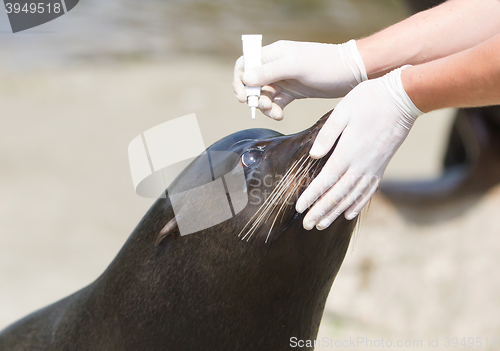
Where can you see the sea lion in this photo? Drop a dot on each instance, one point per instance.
(209, 290)
(471, 164)
(420, 5)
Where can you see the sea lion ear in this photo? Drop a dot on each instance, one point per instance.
(167, 229)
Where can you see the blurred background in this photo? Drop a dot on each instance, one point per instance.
(75, 91)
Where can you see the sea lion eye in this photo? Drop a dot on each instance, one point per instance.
(250, 157)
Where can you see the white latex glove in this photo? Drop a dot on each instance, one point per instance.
(374, 119)
(294, 70)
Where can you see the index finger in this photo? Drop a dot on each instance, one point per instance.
(238, 86)
(329, 175)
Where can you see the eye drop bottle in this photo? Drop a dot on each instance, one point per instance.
(252, 44)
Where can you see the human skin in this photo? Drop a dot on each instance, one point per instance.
(455, 50)
(454, 26)
(468, 78)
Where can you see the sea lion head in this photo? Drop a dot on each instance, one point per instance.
(252, 178)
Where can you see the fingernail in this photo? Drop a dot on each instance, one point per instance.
(315, 150)
(308, 225)
(323, 224)
(351, 216)
(278, 116)
(238, 97)
(303, 202)
(299, 207)
(273, 115)
(250, 77)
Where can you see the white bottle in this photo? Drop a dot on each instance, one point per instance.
(252, 44)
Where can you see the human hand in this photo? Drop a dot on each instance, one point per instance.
(374, 120)
(296, 70)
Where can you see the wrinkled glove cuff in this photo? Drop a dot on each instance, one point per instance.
(352, 58)
(398, 95)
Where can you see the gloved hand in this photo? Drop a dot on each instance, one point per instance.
(374, 119)
(295, 70)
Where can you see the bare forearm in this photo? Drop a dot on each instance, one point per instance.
(446, 29)
(465, 79)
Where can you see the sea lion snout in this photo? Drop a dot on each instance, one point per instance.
(277, 179)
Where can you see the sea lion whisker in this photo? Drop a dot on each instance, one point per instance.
(283, 187)
(261, 212)
(167, 229)
(266, 202)
(270, 201)
(302, 174)
(290, 194)
(268, 210)
(297, 184)
(298, 170)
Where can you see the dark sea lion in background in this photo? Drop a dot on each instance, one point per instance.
(208, 290)
(420, 5)
(471, 164)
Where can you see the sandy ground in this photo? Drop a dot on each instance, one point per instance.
(67, 202)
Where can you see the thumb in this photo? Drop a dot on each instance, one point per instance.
(268, 73)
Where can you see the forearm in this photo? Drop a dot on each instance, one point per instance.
(466, 79)
(443, 30)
